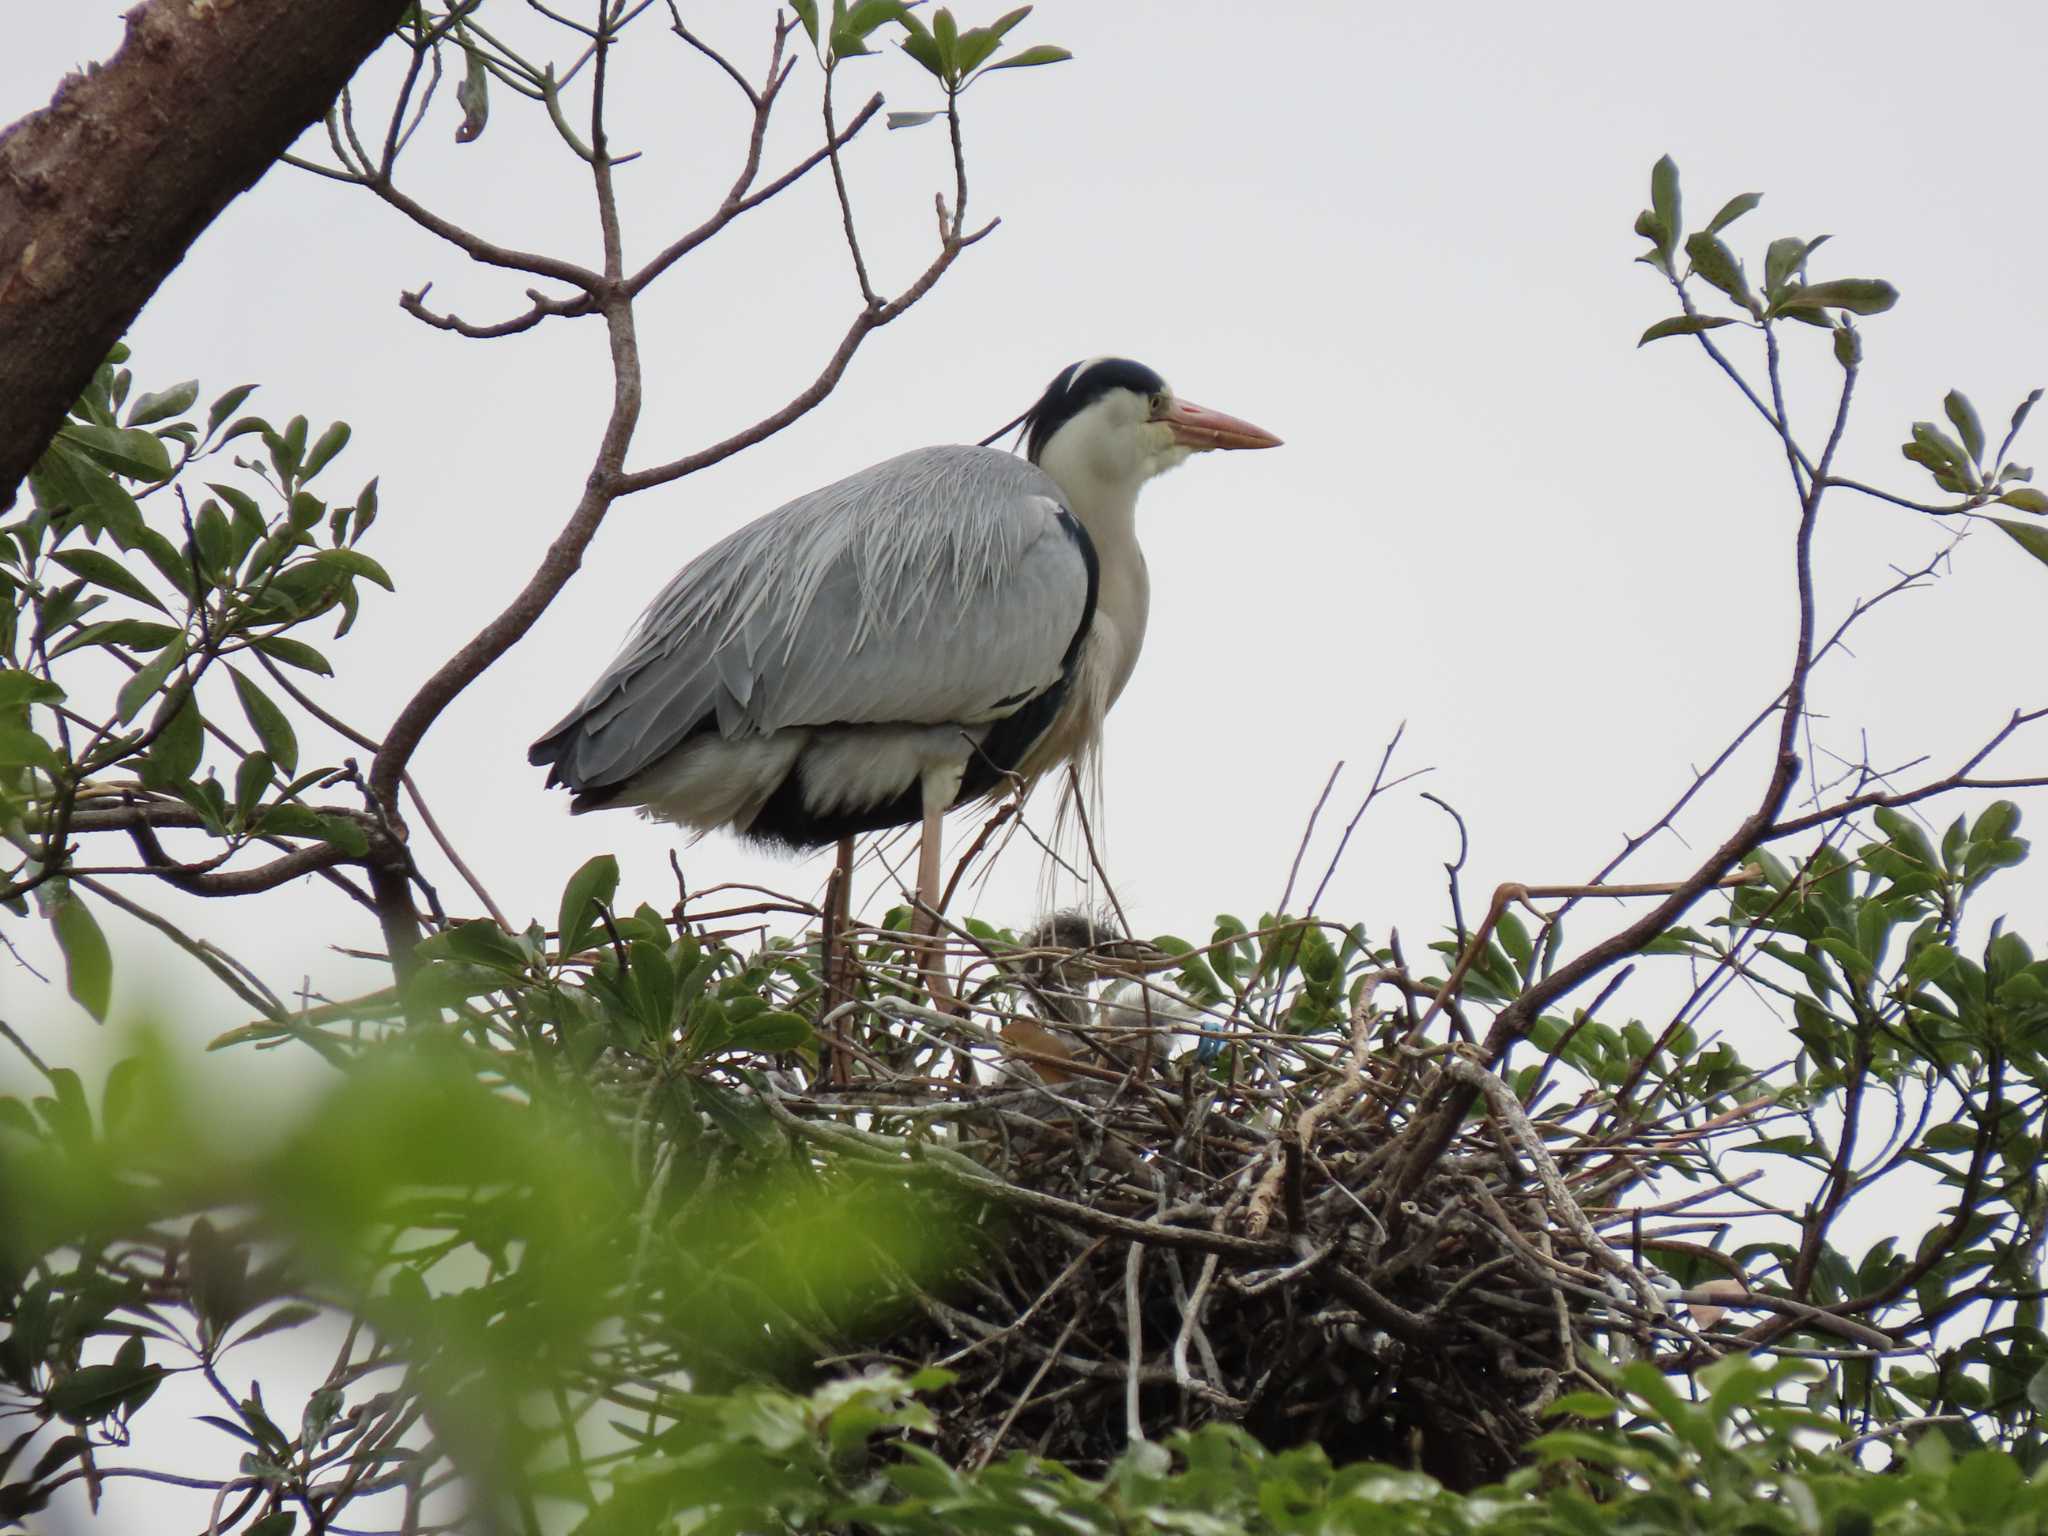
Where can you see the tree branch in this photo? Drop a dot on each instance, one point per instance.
(1452, 1101)
(103, 191)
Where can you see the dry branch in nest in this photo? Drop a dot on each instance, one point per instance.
(1159, 1246)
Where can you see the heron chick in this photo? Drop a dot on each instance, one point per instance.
(911, 638)
(1061, 957)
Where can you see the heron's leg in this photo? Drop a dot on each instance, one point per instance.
(938, 794)
(838, 973)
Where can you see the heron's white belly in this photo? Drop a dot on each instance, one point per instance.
(713, 782)
(870, 765)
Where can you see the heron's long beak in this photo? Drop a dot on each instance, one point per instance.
(1198, 427)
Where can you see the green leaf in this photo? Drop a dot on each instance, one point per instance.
(774, 1030)
(252, 779)
(103, 570)
(1684, 325)
(1858, 295)
(1784, 259)
(216, 540)
(169, 560)
(356, 563)
(147, 683)
(287, 450)
(1968, 427)
(269, 723)
(138, 634)
(64, 605)
(2026, 498)
(293, 1315)
(1514, 938)
(18, 687)
(242, 427)
(293, 653)
(249, 527)
(2019, 415)
(330, 443)
(870, 14)
(345, 834)
(1848, 345)
(25, 749)
(174, 401)
(1732, 210)
(807, 13)
(478, 942)
(1943, 449)
(1982, 1486)
(850, 28)
(88, 964)
(2037, 1391)
(175, 754)
(226, 406)
(975, 47)
(366, 510)
(1585, 1405)
(61, 1451)
(64, 480)
(1577, 1445)
(654, 985)
(919, 44)
(243, 503)
(287, 820)
(94, 1391)
(2031, 538)
(1715, 263)
(946, 34)
(131, 452)
(444, 983)
(1031, 58)
(267, 558)
(306, 510)
(1003, 24)
(115, 510)
(1664, 202)
(597, 881)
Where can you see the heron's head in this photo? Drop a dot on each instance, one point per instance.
(1109, 425)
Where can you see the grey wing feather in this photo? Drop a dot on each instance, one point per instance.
(937, 586)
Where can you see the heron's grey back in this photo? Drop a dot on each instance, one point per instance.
(936, 587)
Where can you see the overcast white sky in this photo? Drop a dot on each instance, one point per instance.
(1397, 236)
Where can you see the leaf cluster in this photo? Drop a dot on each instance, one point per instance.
(129, 618)
(953, 56)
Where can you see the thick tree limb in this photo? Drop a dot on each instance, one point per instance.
(103, 191)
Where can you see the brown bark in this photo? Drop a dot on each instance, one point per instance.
(103, 191)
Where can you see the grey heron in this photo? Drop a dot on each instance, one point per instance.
(909, 639)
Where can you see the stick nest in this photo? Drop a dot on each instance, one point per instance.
(1212, 1220)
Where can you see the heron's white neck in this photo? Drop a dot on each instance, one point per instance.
(1123, 597)
(1100, 461)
